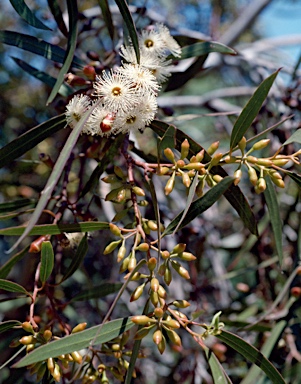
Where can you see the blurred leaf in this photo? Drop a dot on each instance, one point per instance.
(56, 229)
(267, 348)
(58, 16)
(107, 17)
(168, 139)
(79, 256)
(156, 210)
(252, 354)
(271, 199)
(30, 139)
(129, 22)
(6, 325)
(27, 15)
(250, 111)
(9, 286)
(234, 195)
(72, 40)
(203, 48)
(77, 341)
(218, 373)
(200, 205)
(97, 292)
(47, 260)
(294, 176)
(295, 138)
(13, 205)
(65, 89)
(6, 268)
(38, 46)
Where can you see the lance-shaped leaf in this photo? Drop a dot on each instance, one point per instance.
(10, 286)
(38, 46)
(30, 139)
(252, 354)
(129, 22)
(65, 89)
(17, 204)
(218, 373)
(47, 260)
(271, 200)
(203, 48)
(56, 229)
(250, 111)
(7, 267)
(107, 17)
(295, 138)
(27, 14)
(77, 341)
(72, 39)
(56, 173)
(58, 16)
(97, 292)
(200, 205)
(6, 325)
(295, 176)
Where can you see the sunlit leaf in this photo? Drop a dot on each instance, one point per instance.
(30, 139)
(72, 40)
(27, 14)
(203, 48)
(6, 325)
(252, 354)
(7, 267)
(77, 341)
(47, 260)
(58, 16)
(56, 229)
(17, 204)
(38, 46)
(250, 111)
(107, 17)
(97, 292)
(200, 205)
(271, 199)
(10, 286)
(294, 138)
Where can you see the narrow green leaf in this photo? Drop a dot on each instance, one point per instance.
(17, 204)
(72, 39)
(234, 195)
(200, 205)
(7, 267)
(250, 111)
(97, 292)
(156, 210)
(271, 199)
(77, 341)
(9, 286)
(168, 139)
(252, 354)
(218, 373)
(107, 17)
(65, 89)
(295, 138)
(30, 139)
(6, 325)
(266, 350)
(56, 229)
(58, 16)
(47, 260)
(294, 176)
(79, 256)
(27, 14)
(56, 173)
(38, 46)
(129, 22)
(203, 48)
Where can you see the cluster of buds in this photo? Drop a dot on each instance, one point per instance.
(194, 167)
(55, 366)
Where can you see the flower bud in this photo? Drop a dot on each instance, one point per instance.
(174, 337)
(242, 144)
(137, 292)
(179, 248)
(200, 156)
(36, 245)
(26, 340)
(159, 313)
(110, 248)
(154, 298)
(265, 162)
(252, 176)
(165, 255)
(143, 332)
(260, 144)
(184, 149)
(161, 292)
(216, 159)
(152, 225)
(237, 175)
(181, 303)
(142, 320)
(195, 166)
(50, 364)
(79, 327)
(162, 345)
(119, 173)
(47, 335)
(187, 256)
(138, 191)
(157, 336)
(121, 253)
(110, 179)
(167, 275)
(252, 159)
(56, 374)
(169, 155)
(213, 147)
(132, 263)
(170, 184)
(180, 270)
(163, 170)
(77, 357)
(154, 284)
(180, 164)
(124, 265)
(217, 178)
(278, 182)
(280, 162)
(143, 247)
(230, 159)
(89, 72)
(172, 323)
(27, 327)
(261, 185)
(114, 229)
(152, 263)
(186, 180)
(162, 269)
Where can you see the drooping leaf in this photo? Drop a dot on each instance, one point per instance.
(30, 139)
(10, 286)
(72, 40)
(200, 205)
(294, 176)
(97, 292)
(250, 111)
(295, 138)
(7, 267)
(11, 206)
(28, 15)
(252, 354)
(271, 199)
(107, 17)
(65, 89)
(129, 22)
(203, 48)
(56, 229)
(47, 260)
(58, 16)
(218, 373)
(79, 256)
(38, 46)
(6, 325)
(77, 341)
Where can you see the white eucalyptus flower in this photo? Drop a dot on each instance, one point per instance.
(142, 77)
(100, 122)
(76, 108)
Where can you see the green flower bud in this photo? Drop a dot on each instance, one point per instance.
(121, 253)
(158, 312)
(174, 337)
(213, 147)
(162, 345)
(261, 185)
(161, 292)
(167, 275)
(157, 336)
(200, 156)
(138, 191)
(265, 162)
(280, 162)
(121, 196)
(170, 184)
(185, 149)
(230, 159)
(180, 270)
(165, 255)
(260, 144)
(217, 178)
(143, 332)
(124, 265)
(195, 166)
(77, 357)
(80, 327)
(242, 144)
(56, 374)
(110, 179)
(169, 155)
(163, 170)
(187, 256)
(154, 298)
(278, 182)
(179, 248)
(237, 175)
(132, 263)
(172, 323)
(252, 176)
(47, 335)
(186, 180)
(50, 364)
(216, 159)
(114, 229)
(162, 269)
(27, 340)
(154, 284)
(142, 320)
(181, 303)
(152, 225)
(137, 292)
(118, 171)
(110, 248)
(152, 263)
(27, 327)
(180, 164)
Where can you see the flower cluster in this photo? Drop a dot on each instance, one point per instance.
(127, 96)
